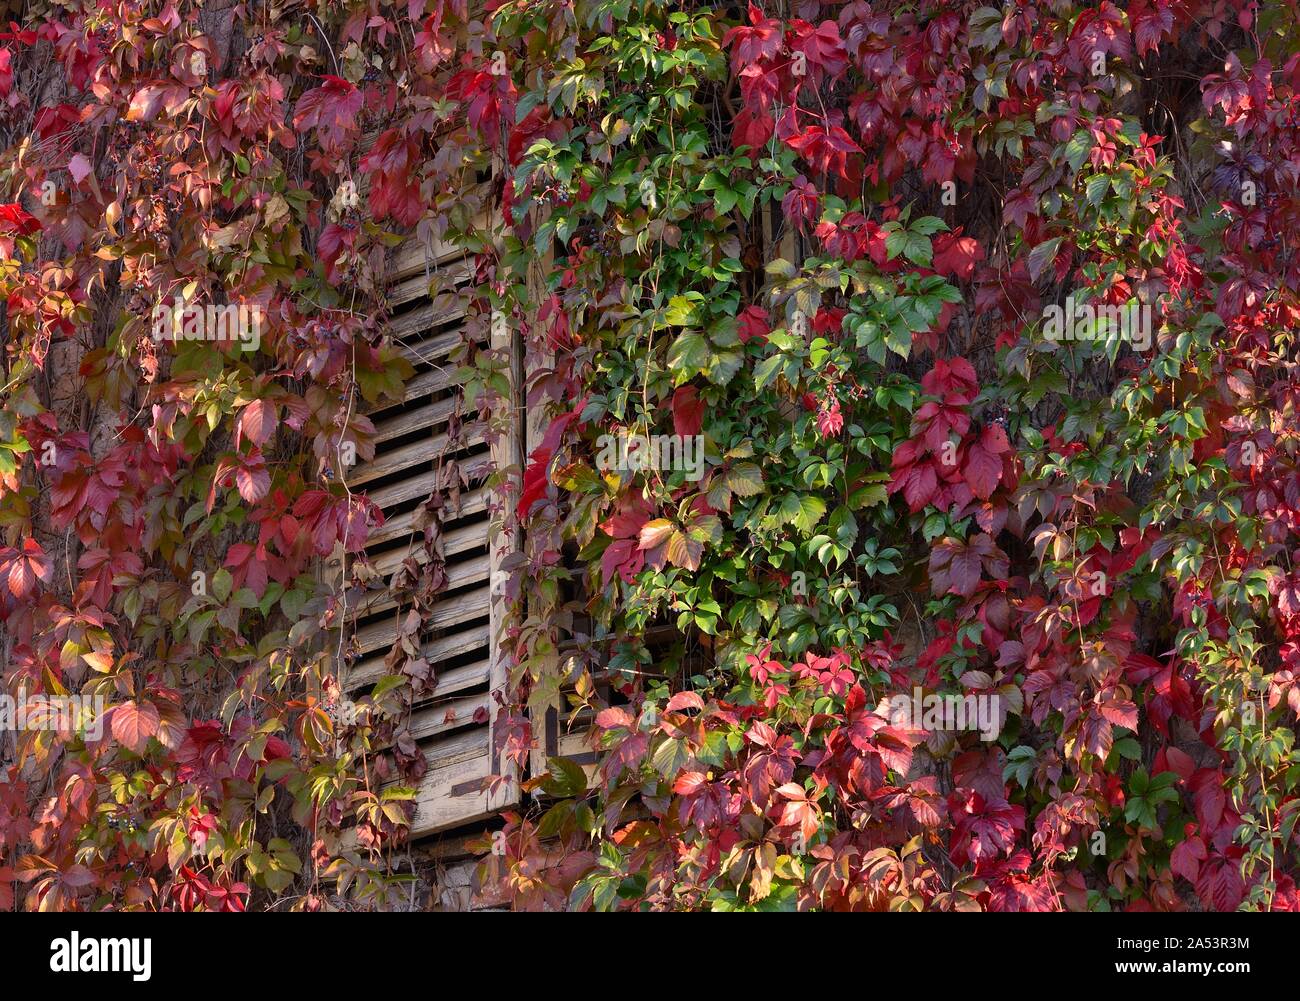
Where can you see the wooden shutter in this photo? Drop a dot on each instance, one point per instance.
(410, 437)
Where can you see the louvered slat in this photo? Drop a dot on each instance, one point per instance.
(411, 435)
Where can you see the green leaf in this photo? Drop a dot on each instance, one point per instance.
(670, 757)
(221, 584)
(724, 366)
(928, 225)
(565, 778)
(1096, 187)
(914, 246)
(767, 370)
(688, 356)
(804, 511)
(683, 310)
(1129, 749)
(1077, 149)
(745, 479)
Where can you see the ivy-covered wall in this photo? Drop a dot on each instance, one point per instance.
(982, 317)
(908, 514)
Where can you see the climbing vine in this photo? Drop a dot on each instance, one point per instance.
(883, 360)
(866, 253)
(201, 200)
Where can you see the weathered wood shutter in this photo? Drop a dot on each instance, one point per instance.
(410, 437)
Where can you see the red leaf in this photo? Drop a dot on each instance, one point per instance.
(256, 422)
(152, 98)
(489, 98)
(614, 718)
(622, 557)
(688, 411)
(919, 484)
(537, 475)
(26, 567)
(627, 519)
(825, 147)
(685, 700)
(798, 811)
(753, 324)
(333, 242)
(802, 204)
(252, 478)
(17, 221)
(965, 570)
(955, 567)
(760, 39)
(331, 108)
(1208, 798)
(1219, 884)
(1120, 712)
(1187, 858)
(1179, 761)
(133, 724)
(830, 421)
(752, 129)
(80, 167)
(823, 48)
(952, 379)
(1149, 26)
(956, 255)
(920, 487)
(983, 466)
(77, 877)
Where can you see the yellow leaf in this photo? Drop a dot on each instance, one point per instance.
(655, 533)
(101, 662)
